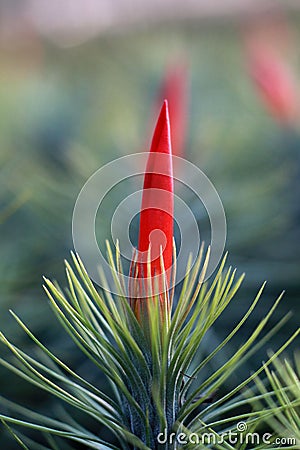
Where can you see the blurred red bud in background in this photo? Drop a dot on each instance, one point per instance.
(175, 89)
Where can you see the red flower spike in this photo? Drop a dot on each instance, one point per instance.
(275, 83)
(174, 89)
(157, 210)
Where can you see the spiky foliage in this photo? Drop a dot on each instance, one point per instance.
(281, 395)
(156, 383)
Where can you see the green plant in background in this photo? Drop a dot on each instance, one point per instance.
(146, 342)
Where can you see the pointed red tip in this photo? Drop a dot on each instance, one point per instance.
(161, 141)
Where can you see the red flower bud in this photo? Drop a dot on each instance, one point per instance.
(151, 269)
(156, 218)
(275, 83)
(174, 89)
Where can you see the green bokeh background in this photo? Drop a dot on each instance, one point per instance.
(64, 112)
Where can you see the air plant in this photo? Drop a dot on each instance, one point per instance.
(147, 343)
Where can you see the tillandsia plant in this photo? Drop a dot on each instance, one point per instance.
(147, 341)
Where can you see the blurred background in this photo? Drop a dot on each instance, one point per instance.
(81, 83)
